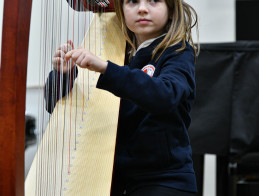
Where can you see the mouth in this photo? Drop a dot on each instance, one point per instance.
(143, 21)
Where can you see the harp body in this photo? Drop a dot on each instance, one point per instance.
(63, 167)
(89, 170)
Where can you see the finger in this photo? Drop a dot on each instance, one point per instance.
(80, 58)
(62, 69)
(78, 53)
(70, 42)
(74, 54)
(60, 65)
(69, 55)
(59, 53)
(57, 61)
(66, 47)
(84, 63)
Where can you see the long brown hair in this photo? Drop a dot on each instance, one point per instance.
(178, 29)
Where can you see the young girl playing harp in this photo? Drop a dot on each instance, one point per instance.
(157, 89)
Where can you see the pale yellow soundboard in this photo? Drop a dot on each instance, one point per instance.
(76, 153)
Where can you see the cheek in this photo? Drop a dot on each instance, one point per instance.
(163, 18)
(128, 19)
(129, 25)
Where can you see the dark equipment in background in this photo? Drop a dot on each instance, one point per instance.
(225, 116)
(247, 14)
(30, 136)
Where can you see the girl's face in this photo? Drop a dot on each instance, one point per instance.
(145, 18)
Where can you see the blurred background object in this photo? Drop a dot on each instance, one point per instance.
(247, 14)
(225, 116)
(30, 131)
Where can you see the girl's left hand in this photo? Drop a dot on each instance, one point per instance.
(85, 59)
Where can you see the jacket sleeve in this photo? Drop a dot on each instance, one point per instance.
(160, 94)
(57, 86)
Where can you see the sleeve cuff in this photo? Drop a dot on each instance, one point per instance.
(112, 79)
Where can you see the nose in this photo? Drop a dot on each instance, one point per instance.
(143, 7)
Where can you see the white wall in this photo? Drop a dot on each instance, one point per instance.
(216, 20)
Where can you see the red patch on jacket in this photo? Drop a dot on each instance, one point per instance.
(149, 70)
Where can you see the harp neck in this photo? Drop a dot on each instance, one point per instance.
(15, 38)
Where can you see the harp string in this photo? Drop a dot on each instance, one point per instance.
(52, 36)
(93, 155)
(49, 35)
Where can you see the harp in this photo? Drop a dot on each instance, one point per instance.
(74, 179)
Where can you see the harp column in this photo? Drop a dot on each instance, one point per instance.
(15, 36)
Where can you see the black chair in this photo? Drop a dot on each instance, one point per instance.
(245, 174)
(225, 116)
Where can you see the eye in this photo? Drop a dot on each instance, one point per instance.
(131, 1)
(154, 1)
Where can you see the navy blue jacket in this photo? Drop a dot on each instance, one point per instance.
(153, 146)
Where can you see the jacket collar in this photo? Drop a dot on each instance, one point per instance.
(147, 43)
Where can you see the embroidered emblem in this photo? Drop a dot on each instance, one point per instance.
(149, 69)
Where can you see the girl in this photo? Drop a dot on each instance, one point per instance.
(157, 90)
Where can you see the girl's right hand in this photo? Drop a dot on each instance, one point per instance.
(58, 59)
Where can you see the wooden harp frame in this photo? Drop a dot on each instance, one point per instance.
(13, 72)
